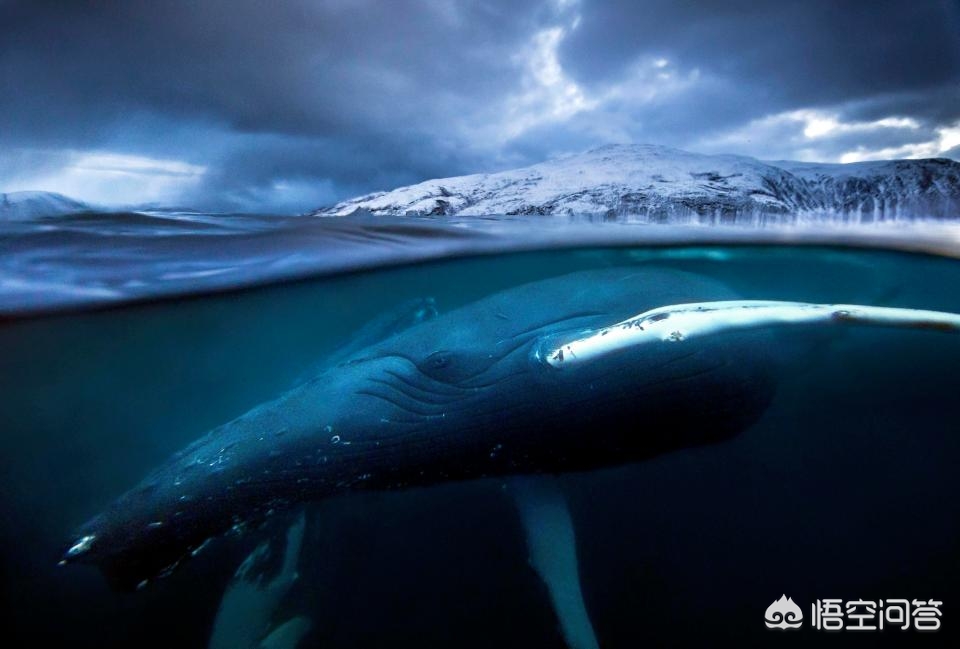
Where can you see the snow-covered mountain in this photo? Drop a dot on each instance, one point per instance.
(663, 184)
(18, 206)
(886, 188)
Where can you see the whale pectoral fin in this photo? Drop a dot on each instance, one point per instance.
(552, 546)
(288, 635)
(291, 554)
(250, 601)
(676, 323)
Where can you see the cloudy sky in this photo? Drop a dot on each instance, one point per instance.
(293, 104)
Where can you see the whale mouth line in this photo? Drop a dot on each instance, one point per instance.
(677, 323)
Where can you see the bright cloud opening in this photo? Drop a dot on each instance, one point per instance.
(103, 177)
(549, 94)
(946, 138)
(818, 135)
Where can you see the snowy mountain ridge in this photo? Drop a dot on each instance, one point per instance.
(661, 184)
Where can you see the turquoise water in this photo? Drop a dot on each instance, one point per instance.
(844, 488)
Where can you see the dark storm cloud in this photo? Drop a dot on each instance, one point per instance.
(799, 51)
(288, 103)
(936, 105)
(355, 80)
(746, 61)
(291, 67)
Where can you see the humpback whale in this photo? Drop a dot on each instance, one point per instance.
(593, 369)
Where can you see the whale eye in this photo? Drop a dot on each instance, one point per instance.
(444, 366)
(436, 361)
(454, 366)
